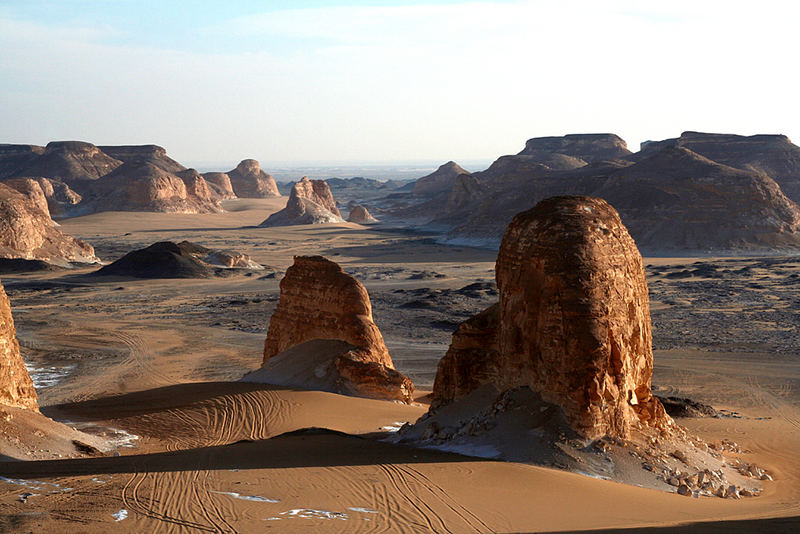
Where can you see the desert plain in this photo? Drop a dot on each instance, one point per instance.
(153, 365)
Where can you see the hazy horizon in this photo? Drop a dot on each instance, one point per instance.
(381, 81)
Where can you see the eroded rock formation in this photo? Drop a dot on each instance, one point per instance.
(319, 301)
(310, 202)
(573, 321)
(439, 181)
(360, 215)
(249, 181)
(221, 184)
(33, 190)
(16, 386)
(27, 232)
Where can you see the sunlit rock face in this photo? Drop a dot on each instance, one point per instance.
(573, 321)
(16, 386)
(249, 181)
(319, 301)
(310, 202)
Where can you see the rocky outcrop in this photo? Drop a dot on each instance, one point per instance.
(360, 215)
(166, 259)
(310, 202)
(249, 181)
(319, 301)
(573, 321)
(147, 187)
(16, 386)
(61, 199)
(439, 181)
(221, 184)
(586, 147)
(33, 190)
(27, 232)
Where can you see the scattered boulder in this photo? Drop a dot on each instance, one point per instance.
(166, 259)
(310, 202)
(16, 386)
(683, 407)
(249, 181)
(573, 321)
(27, 232)
(319, 301)
(360, 215)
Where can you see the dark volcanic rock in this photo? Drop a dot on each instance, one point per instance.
(160, 260)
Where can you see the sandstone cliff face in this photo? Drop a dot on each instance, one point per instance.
(310, 202)
(146, 187)
(27, 232)
(573, 321)
(360, 215)
(221, 184)
(16, 386)
(61, 199)
(439, 181)
(249, 181)
(320, 301)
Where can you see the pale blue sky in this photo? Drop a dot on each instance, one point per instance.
(365, 80)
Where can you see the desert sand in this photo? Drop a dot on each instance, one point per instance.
(155, 364)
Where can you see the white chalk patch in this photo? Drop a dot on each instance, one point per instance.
(115, 437)
(273, 518)
(307, 513)
(47, 377)
(119, 516)
(363, 510)
(34, 484)
(254, 498)
(397, 425)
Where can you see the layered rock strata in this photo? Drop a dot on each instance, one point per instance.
(310, 202)
(16, 386)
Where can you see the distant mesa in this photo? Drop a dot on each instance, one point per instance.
(72, 162)
(360, 215)
(439, 181)
(586, 147)
(322, 336)
(774, 155)
(249, 181)
(27, 232)
(166, 259)
(310, 202)
(572, 324)
(141, 154)
(670, 197)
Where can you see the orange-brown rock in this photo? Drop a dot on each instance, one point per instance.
(573, 321)
(320, 301)
(359, 214)
(27, 232)
(249, 181)
(16, 386)
(322, 336)
(310, 202)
